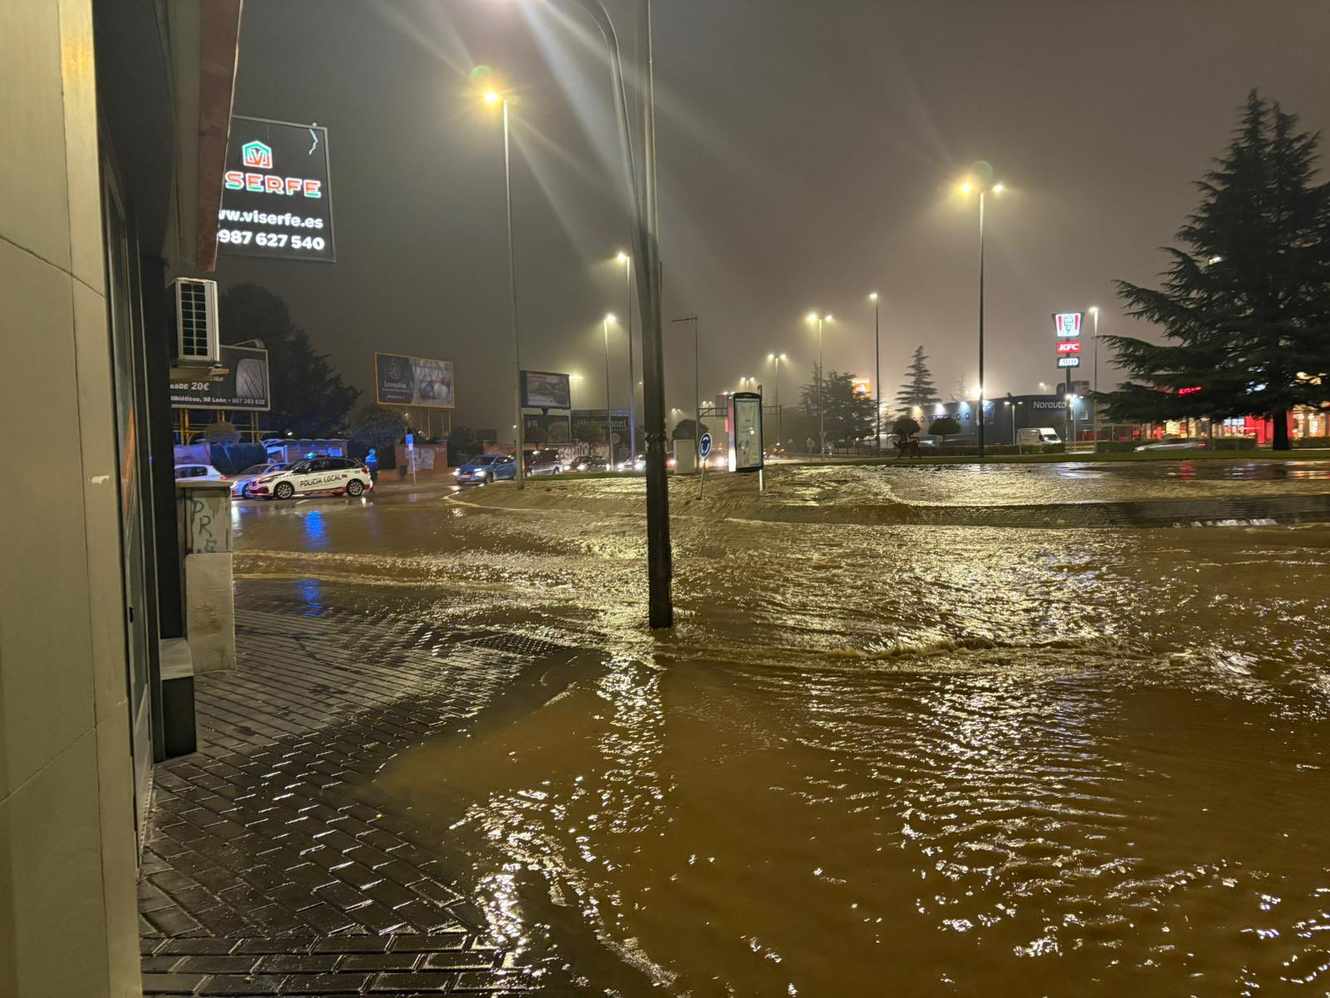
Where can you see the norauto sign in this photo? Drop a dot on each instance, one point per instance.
(276, 201)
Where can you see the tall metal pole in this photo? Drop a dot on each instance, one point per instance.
(981, 325)
(647, 266)
(609, 419)
(821, 397)
(1095, 402)
(632, 381)
(512, 287)
(877, 368)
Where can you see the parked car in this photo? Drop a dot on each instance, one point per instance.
(487, 468)
(591, 462)
(240, 483)
(198, 473)
(543, 462)
(317, 476)
(1173, 443)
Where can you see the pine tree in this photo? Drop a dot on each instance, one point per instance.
(1246, 305)
(918, 389)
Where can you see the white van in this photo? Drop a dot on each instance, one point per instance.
(1037, 436)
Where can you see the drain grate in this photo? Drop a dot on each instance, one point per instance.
(517, 644)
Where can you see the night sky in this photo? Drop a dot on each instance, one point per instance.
(808, 155)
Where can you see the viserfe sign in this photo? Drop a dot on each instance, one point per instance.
(276, 195)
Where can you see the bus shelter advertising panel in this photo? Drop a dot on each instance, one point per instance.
(414, 381)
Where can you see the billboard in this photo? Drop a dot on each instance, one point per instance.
(546, 390)
(589, 425)
(276, 193)
(416, 381)
(245, 386)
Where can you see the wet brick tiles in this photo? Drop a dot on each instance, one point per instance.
(264, 872)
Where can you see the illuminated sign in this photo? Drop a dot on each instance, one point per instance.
(1191, 390)
(276, 200)
(1069, 347)
(1067, 324)
(1069, 362)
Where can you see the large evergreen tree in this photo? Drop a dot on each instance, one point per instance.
(308, 396)
(1245, 305)
(918, 389)
(849, 414)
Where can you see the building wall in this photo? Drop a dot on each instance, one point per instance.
(67, 853)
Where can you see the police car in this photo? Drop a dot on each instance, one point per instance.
(317, 476)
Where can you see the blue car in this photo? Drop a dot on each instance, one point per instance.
(486, 469)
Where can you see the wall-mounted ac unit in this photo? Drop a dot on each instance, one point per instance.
(198, 333)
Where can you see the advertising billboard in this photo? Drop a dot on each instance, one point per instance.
(276, 192)
(414, 381)
(546, 390)
(746, 431)
(246, 385)
(589, 425)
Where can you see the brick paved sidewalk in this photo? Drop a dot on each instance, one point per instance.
(265, 871)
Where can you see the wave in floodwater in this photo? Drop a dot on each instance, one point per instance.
(868, 760)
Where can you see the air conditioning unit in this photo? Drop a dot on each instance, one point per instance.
(198, 333)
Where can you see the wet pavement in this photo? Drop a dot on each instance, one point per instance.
(869, 759)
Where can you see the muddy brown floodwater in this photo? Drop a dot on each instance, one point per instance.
(869, 760)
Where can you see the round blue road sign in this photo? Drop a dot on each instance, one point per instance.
(704, 445)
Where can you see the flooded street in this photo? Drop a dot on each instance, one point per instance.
(870, 759)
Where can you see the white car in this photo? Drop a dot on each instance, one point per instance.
(240, 483)
(198, 473)
(337, 476)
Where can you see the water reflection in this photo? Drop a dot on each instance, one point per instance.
(877, 760)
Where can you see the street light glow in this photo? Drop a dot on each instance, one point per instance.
(965, 187)
(999, 187)
(492, 97)
(609, 317)
(811, 317)
(1094, 309)
(622, 257)
(872, 296)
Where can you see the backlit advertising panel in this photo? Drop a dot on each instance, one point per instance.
(276, 192)
(745, 432)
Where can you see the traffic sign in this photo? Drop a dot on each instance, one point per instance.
(704, 446)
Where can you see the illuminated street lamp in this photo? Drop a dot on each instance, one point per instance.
(981, 181)
(496, 98)
(821, 320)
(877, 367)
(627, 261)
(609, 421)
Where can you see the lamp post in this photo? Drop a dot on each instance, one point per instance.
(609, 419)
(821, 398)
(778, 359)
(981, 181)
(627, 262)
(494, 97)
(877, 368)
(1094, 313)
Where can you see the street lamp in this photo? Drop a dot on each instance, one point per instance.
(777, 359)
(981, 181)
(877, 367)
(609, 421)
(1094, 314)
(821, 320)
(627, 262)
(492, 98)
